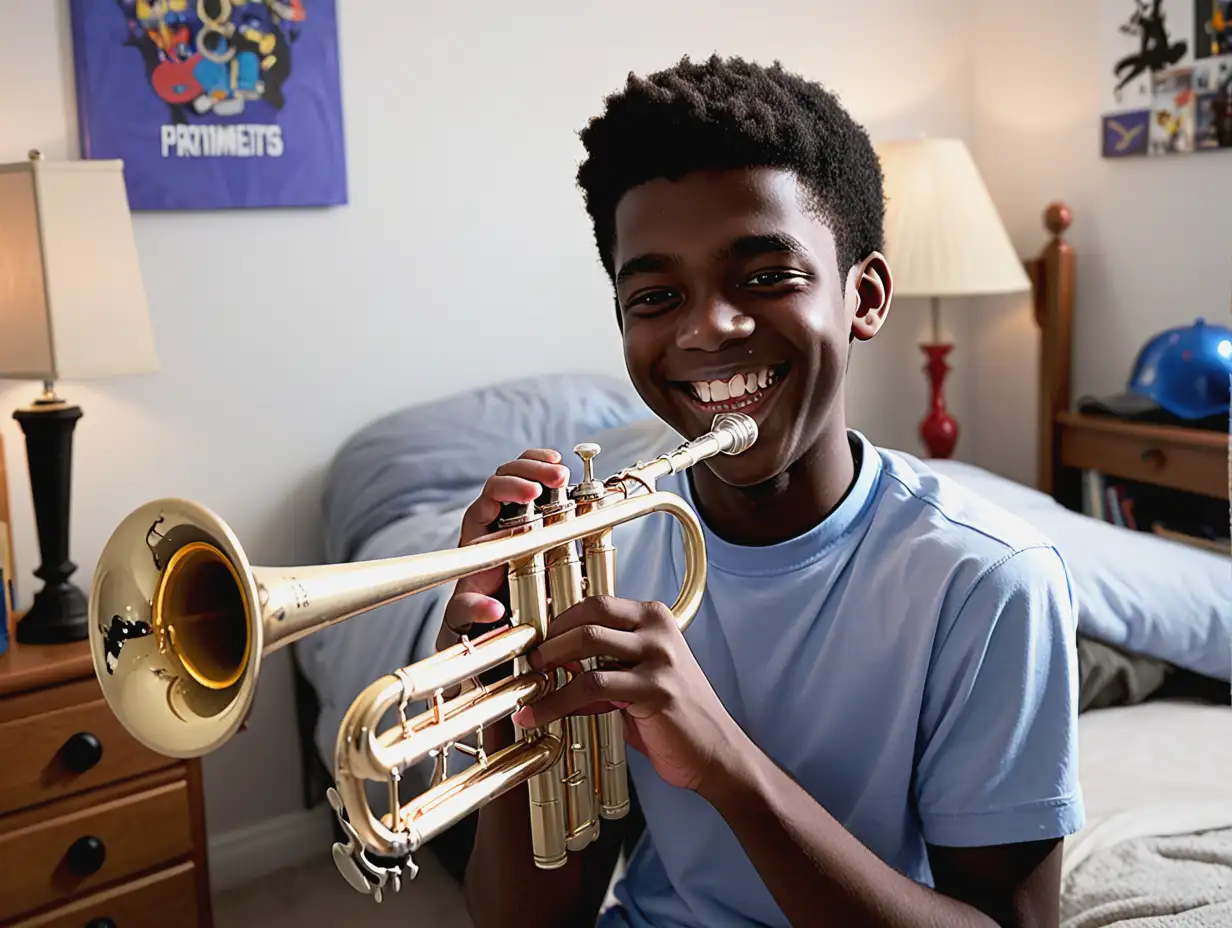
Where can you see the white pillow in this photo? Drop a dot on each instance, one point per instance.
(1141, 592)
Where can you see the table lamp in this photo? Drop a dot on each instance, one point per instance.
(72, 306)
(943, 239)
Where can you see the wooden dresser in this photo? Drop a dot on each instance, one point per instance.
(96, 831)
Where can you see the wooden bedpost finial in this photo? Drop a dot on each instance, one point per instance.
(1057, 218)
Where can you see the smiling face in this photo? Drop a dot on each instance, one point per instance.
(732, 298)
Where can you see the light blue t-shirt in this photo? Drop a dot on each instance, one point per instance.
(910, 661)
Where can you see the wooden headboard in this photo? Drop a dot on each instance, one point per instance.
(1184, 457)
(1052, 276)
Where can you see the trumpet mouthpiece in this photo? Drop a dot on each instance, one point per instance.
(741, 431)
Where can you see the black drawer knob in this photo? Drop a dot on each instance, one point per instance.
(86, 856)
(100, 923)
(1154, 457)
(81, 752)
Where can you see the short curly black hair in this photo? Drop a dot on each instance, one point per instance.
(729, 113)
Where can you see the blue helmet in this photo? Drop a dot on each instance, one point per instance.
(1186, 370)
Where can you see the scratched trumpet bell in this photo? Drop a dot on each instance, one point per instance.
(180, 622)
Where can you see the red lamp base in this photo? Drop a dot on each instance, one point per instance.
(938, 430)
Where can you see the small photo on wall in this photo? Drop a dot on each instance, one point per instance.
(1213, 35)
(1212, 75)
(213, 104)
(1127, 134)
(1172, 113)
(1213, 121)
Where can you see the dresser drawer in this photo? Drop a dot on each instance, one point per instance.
(163, 900)
(64, 740)
(1197, 464)
(90, 844)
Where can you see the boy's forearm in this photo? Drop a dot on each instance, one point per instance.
(817, 871)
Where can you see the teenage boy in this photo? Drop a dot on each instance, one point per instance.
(872, 719)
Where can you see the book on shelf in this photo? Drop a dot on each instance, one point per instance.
(1174, 514)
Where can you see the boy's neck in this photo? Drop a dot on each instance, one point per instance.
(797, 500)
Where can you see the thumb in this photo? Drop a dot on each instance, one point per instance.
(468, 608)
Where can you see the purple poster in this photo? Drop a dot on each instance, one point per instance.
(213, 104)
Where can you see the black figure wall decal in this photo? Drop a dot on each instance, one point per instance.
(1156, 52)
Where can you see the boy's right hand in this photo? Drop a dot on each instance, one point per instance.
(520, 481)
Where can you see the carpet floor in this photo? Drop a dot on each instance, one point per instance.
(315, 894)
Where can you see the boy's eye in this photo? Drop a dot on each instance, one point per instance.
(650, 299)
(771, 278)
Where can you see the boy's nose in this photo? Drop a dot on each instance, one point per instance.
(712, 324)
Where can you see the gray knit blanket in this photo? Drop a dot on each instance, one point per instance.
(1183, 881)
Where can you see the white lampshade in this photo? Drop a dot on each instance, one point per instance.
(72, 303)
(943, 234)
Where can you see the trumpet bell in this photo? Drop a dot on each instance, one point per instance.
(175, 630)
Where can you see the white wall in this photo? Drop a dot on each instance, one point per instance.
(464, 256)
(1153, 236)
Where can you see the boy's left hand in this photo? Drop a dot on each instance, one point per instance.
(671, 713)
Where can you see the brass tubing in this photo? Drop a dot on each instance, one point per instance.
(459, 718)
(450, 801)
(565, 589)
(368, 753)
(447, 804)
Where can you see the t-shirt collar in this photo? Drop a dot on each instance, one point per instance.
(803, 550)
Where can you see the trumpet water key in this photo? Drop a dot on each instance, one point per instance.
(180, 622)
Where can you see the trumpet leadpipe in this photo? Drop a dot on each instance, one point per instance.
(731, 433)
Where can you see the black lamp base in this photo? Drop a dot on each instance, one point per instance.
(58, 615)
(59, 612)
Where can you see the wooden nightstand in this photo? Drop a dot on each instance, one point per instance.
(96, 831)
(1194, 460)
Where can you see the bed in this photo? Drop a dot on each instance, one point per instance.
(1155, 615)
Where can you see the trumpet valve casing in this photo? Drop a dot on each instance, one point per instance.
(528, 598)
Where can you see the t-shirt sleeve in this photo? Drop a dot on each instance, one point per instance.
(998, 759)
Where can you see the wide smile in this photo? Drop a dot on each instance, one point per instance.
(746, 391)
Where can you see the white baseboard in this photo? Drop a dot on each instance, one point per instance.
(246, 854)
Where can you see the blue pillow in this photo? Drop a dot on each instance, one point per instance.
(426, 456)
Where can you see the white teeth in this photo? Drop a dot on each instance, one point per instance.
(739, 385)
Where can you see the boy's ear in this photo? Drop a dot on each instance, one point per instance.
(870, 289)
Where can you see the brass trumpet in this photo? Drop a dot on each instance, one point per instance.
(179, 623)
